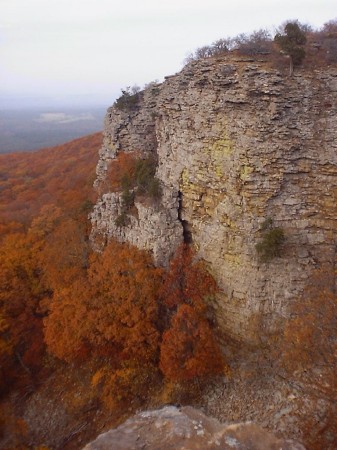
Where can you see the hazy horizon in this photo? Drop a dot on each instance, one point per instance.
(24, 130)
(21, 101)
(64, 53)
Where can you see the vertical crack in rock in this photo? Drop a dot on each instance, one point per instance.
(187, 234)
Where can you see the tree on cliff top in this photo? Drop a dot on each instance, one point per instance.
(292, 42)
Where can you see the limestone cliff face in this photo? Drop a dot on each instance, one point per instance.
(236, 143)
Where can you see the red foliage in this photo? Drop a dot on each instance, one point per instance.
(187, 281)
(189, 349)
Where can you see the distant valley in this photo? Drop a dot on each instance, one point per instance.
(26, 130)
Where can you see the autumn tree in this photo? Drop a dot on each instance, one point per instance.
(64, 253)
(20, 293)
(65, 325)
(113, 307)
(48, 257)
(189, 348)
(292, 42)
(131, 381)
(45, 199)
(187, 282)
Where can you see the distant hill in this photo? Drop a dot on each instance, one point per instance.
(61, 175)
(32, 129)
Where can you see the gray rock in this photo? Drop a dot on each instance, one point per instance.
(187, 428)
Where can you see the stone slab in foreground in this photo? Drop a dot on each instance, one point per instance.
(187, 428)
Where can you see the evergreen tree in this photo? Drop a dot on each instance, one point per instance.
(292, 42)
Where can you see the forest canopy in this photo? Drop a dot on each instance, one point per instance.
(113, 313)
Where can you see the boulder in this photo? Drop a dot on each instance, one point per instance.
(187, 428)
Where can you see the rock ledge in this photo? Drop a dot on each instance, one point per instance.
(187, 428)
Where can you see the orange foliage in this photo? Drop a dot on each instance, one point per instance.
(50, 189)
(61, 175)
(65, 325)
(128, 382)
(64, 255)
(114, 307)
(121, 170)
(189, 349)
(187, 282)
(20, 292)
(82, 305)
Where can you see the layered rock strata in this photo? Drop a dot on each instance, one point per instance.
(236, 142)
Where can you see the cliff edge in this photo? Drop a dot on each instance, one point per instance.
(236, 144)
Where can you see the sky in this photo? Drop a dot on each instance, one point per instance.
(86, 51)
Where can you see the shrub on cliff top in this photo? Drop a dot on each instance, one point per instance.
(129, 99)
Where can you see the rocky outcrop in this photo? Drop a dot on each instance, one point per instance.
(236, 143)
(187, 428)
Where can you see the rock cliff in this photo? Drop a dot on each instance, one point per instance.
(236, 143)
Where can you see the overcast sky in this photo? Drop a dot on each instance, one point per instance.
(90, 49)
